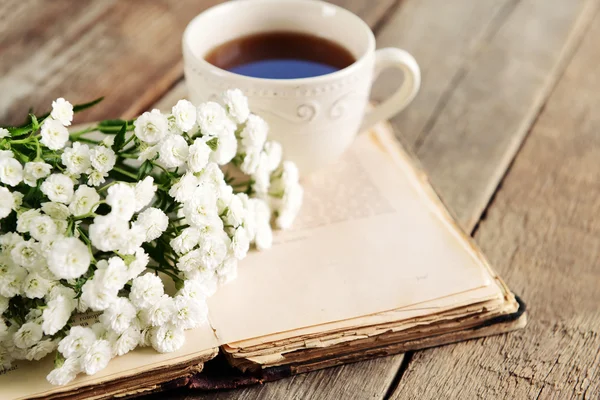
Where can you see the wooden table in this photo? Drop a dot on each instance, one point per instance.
(507, 124)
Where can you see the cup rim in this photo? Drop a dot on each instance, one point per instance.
(349, 70)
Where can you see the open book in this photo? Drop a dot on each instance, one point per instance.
(373, 266)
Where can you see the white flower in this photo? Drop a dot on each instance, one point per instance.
(119, 315)
(185, 115)
(138, 265)
(212, 119)
(76, 159)
(212, 251)
(189, 312)
(250, 162)
(147, 152)
(103, 159)
(144, 193)
(173, 151)
(201, 208)
(40, 350)
(42, 228)
(62, 111)
(126, 341)
(7, 202)
(56, 210)
(11, 280)
(66, 372)
(9, 241)
(236, 212)
(108, 141)
(197, 290)
(262, 176)
(146, 290)
(167, 338)
(183, 190)
(274, 151)
(35, 286)
(212, 178)
(97, 296)
(69, 258)
(112, 275)
(107, 233)
(58, 188)
(290, 206)
(3, 304)
(57, 314)
(226, 148)
(121, 199)
(18, 196)
(85, 200)
(151, 127)
(11, 171)
(186, 240)
(54, 134)
(96, 178)
(153, 222)
(96, 357)
(198, 155)
(27, 254)
(4, 133)
(237, 105)
(227, 271)
(77, 341)
(35, 170)
(240, 243)
(161, 311)
(254, 133)
(133, 239)
(28, 334)
(24, 219)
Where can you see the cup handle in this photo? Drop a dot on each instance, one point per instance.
(391, 57)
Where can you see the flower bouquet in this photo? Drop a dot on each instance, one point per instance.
(100, 223)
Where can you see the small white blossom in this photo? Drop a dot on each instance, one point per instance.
(40, 350)
(274, 152)
(4, 133)
(126, 341)
(146, 290)
(189, 313)
(77, 341)
(66, 372)
(35, 286)
(56, 210)
(199, 154)
(240, 243)
(27, 254)
(103, 159)
(42, 228)
(237, 105)
(151, 127)
(97, 296)
(144, 193)
(119, 315)
(28, 334)
(226, 148)
(62, 111)
(96, 357)
(153, 221)
(227, 271)
(167, 338)
(58, 188)
(183, 190)
(147, 152)
(161, 311)
(85, 200)
(107, 233)
(254, 133)
(186, 240)
(35, 170)
(121, 199)
(76, 158)
(185, 115)
(212, 119)
(7, 202)
(54, 134)
(173, 151)
(96, 178)
(133, 239)
(138, 265)
(11, 280)
(11, 171)
(69, 258)
(24, 219)
(202, 207)
(250, 162)
(112, 275)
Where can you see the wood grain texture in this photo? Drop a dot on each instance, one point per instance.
(487, 68)
(84, 49)
(543, 233)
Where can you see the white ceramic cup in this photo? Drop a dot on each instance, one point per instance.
(315, 119)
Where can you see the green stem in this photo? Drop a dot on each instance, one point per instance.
(164, 271)
(126, 173)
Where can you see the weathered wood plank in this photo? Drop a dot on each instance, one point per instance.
(486, 73)
(543, 234)
(129, 52)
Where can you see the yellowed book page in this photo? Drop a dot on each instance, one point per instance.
(369, 239)
(28, 379)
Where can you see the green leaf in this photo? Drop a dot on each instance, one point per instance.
(145, 169)
(112, 122)
(213, 143)
(35, 125)
(80, 107)
(120, 138)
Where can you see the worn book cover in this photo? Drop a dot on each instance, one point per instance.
(374, 266)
